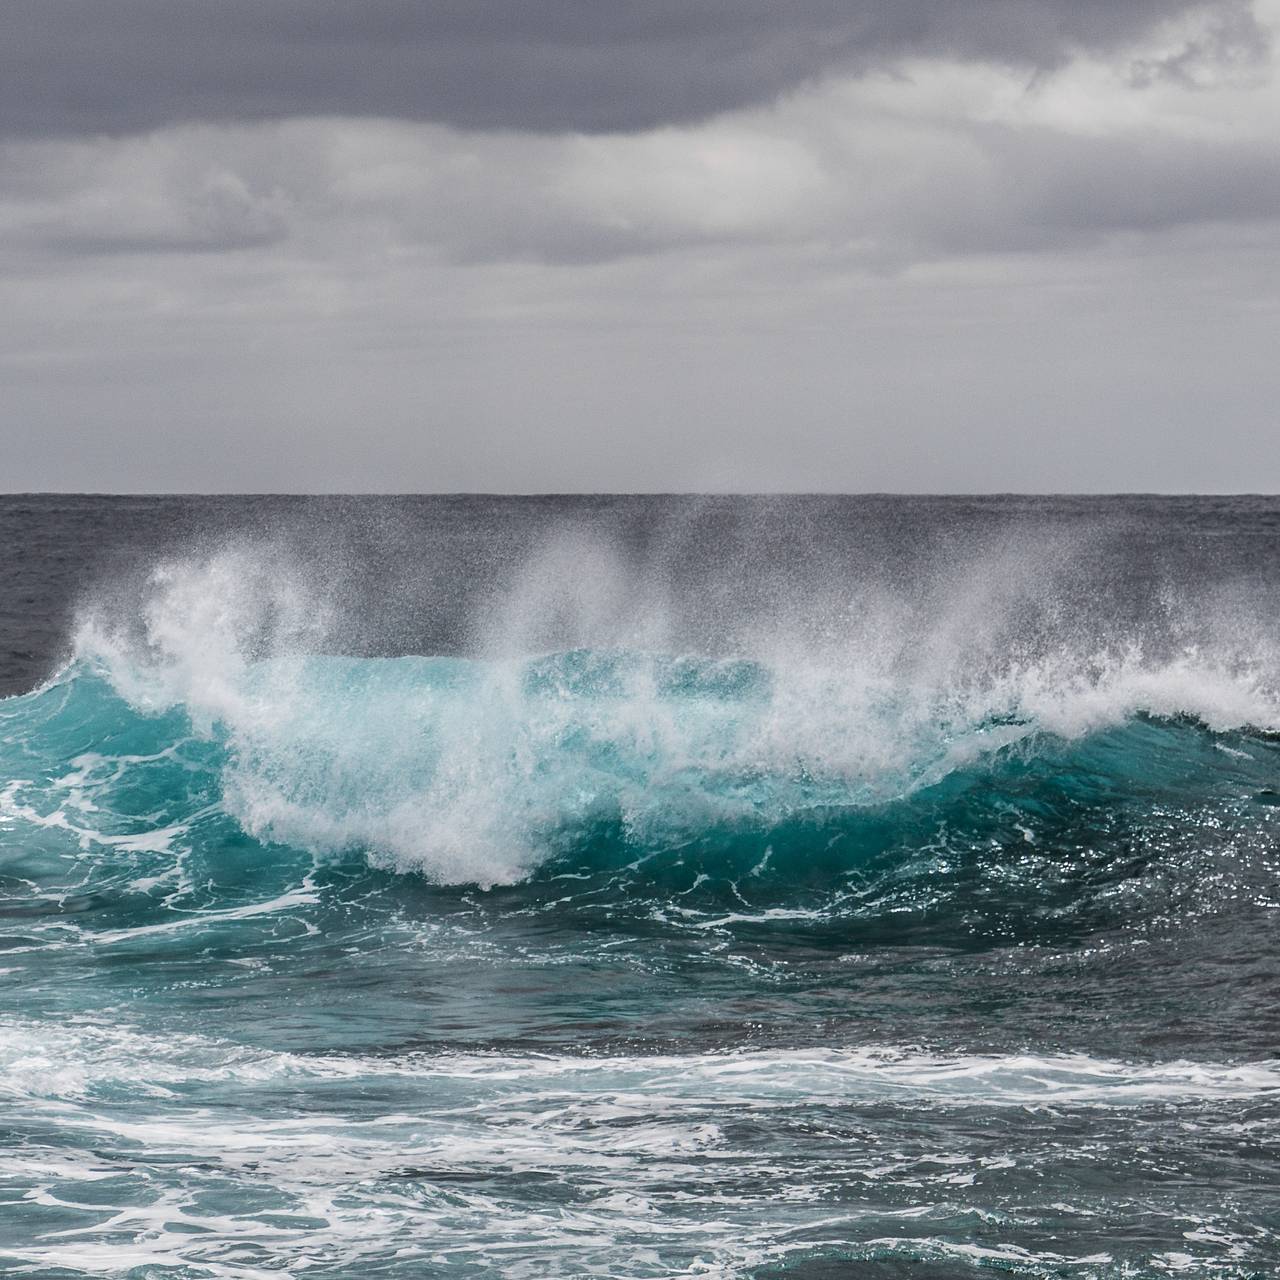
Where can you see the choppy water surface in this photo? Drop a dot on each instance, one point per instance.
(640, 888)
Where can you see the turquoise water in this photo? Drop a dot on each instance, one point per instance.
(629, 961)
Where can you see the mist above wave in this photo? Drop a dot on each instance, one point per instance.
(659, 696)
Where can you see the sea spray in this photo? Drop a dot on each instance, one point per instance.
(479, 769)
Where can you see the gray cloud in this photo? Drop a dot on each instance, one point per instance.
(71, 67)
(851, 170)
(904, 261)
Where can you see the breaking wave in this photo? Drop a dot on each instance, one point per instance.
(217, 692)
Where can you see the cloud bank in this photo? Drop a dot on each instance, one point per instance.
(574, 245)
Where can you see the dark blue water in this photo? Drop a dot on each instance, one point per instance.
(640, 887)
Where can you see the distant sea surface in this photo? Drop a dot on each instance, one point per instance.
(639, 887)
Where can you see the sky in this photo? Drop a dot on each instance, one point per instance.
(652, 245)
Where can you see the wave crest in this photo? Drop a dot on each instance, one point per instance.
(477, 770)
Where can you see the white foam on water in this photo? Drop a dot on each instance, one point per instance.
(624, 1166)
(303, 896)
(94, 1055)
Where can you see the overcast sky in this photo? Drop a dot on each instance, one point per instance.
(530, 245)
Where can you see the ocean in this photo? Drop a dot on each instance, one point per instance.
(640, 887)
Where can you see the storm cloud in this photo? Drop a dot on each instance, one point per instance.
(879, 244)
(88, 67)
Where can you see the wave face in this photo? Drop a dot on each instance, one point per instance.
(722, 907)
(670, 770)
